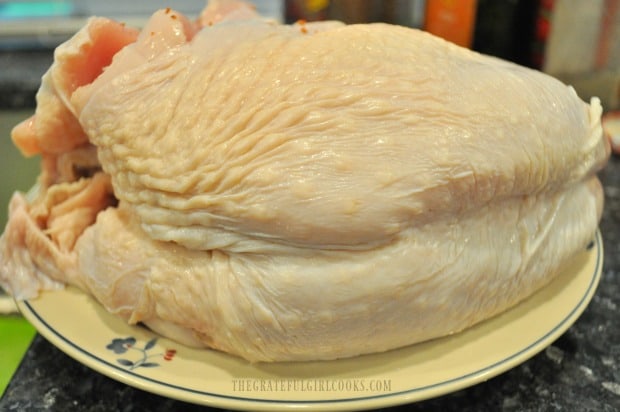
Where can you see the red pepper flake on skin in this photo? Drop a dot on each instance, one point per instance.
(167, 10)
(302, 26)
(173, 17)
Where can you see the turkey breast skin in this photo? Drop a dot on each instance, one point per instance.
(299, 192)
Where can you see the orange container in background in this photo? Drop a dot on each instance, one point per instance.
(452, 20)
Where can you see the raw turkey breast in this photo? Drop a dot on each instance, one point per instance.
(298, 192)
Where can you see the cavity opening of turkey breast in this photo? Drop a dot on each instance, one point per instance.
(299, 192)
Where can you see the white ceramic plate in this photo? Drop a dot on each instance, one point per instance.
(81, 328)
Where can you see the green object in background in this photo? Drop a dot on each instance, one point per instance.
(15, 337)
(16, 173)
(13, 10)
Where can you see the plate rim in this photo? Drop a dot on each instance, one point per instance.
(206, 398)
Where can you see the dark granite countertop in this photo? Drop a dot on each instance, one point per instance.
(580, 371)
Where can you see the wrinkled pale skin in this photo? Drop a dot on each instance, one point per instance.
(313, 191)
(302, 140)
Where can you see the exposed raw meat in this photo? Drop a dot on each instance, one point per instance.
(311, 191)
(54, 128)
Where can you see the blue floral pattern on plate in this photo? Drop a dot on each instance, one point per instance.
(145, 359)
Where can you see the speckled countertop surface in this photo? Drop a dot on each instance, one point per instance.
(579, 372)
